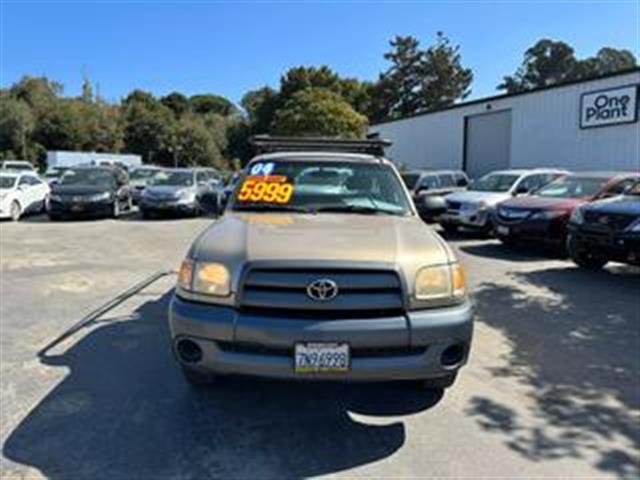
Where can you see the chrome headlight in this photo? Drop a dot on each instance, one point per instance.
(441, 282)
(577, 216)
(205, 278)
(185, 195)
(55, 197)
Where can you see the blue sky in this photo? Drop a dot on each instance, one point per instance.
(229, 48)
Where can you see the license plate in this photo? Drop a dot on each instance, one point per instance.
(322, 357)
(77, 208)
(502, 230)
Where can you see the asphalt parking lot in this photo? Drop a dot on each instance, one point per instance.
(552, 388)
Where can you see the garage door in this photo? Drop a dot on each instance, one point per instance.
(488, 142)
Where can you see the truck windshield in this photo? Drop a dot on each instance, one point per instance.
(572, 187)
(336, 187)
(494, 182)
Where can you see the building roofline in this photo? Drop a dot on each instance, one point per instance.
(494, 98)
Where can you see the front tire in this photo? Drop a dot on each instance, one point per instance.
(584, 259)
(15, 211)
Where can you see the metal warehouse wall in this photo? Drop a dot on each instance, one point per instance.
(545, 131)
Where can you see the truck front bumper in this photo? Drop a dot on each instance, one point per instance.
(407, 347)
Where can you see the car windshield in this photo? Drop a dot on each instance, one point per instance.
(495, 182)
(143, 173)
(410, 180)
(97, 177)
(572, 187)
(173, 178)
(336, 187)
(7, 181)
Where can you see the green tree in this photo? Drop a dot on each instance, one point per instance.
(551, 62)
(17, 123)
(318, 111)
(260, 106)
(177, 102)
(212, 104)
(419, 79)
(443, 79)
(149, 128)
(548, 62)
(607, 60)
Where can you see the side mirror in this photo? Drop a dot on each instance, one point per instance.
(521, 190)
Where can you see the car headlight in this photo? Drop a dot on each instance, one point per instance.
(55, 197)
(206, 278)
(635, 226)
(577, 216)
(100, 196)
(440, 282)
(185, 195)
(548, 215)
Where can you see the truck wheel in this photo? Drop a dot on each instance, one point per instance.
(582, 258)
(439, 383)
(198, 378)
(15, 211)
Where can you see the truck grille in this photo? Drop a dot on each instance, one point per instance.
(601, 221)
(362, 293)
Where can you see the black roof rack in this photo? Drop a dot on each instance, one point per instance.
(269, 144)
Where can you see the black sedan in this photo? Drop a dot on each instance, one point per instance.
(90, 192)
(608, 230)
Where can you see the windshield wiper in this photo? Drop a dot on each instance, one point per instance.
(271, 207)
(365, 210)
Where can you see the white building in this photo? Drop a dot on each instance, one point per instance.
(585, 125)
(73, 159)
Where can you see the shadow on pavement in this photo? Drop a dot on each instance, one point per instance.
(124, 411)
(577, 347)
(517, 253)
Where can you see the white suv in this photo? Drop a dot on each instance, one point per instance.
(21, 192)
(473, 208)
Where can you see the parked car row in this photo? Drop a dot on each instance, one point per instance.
(593, 217)
(108, 190)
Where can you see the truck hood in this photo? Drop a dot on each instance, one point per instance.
(490, 198)
(238, 238)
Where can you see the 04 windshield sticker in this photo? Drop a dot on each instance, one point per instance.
(266, 188)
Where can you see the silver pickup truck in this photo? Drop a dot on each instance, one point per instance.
(321, 269)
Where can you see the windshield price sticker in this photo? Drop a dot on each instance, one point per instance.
(267, 189)
(262, 169)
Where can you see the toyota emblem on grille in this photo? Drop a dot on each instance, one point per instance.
(322, 290)
(604, 220)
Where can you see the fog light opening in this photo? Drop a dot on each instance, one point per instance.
(453, 355)
(189, 351)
